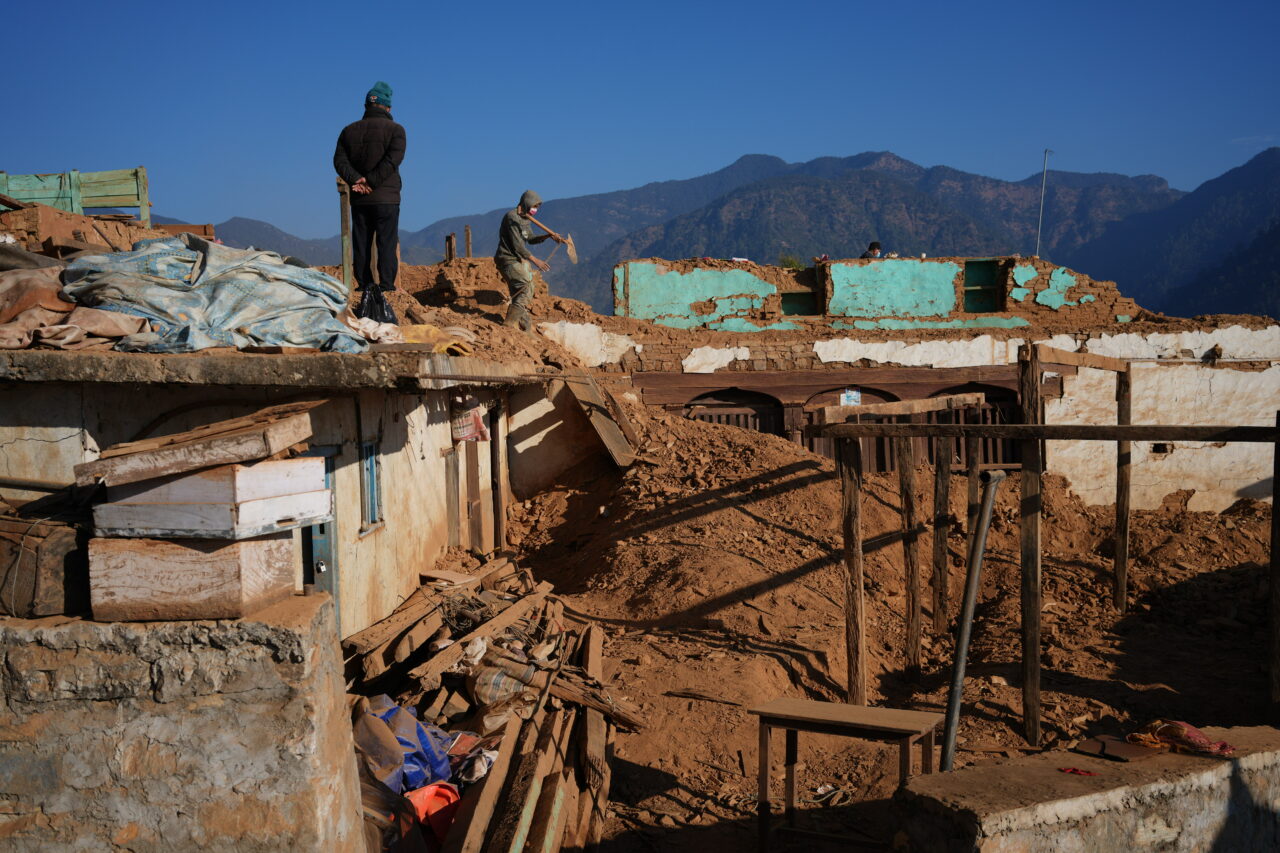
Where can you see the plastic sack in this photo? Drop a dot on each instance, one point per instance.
(425, 747)
(374, 306)
(466, 419)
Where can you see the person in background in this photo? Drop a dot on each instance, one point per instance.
(368, 158)
(513, 257)
(873, 251)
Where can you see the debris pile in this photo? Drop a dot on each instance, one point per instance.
(509, 723)
(715, 561)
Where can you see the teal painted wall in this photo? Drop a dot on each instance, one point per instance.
(667, 296)
(1055, 295)
(893, 288)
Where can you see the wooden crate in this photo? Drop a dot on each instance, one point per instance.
(45, 568)
(228, 502)
(143, 580)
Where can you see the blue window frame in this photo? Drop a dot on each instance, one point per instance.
(370, 484)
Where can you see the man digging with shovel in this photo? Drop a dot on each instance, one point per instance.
(513, 257)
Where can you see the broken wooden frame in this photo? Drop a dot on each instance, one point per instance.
(1032, 435)
(849, 455)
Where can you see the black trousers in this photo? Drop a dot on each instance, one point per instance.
(370, 222)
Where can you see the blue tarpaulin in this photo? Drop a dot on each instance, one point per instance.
(198, 294)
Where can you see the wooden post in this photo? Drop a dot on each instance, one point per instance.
(450, 246)
(849, 454)
(973, 468)
(905, 455)
(941, 529)
(1032, 464)
(344, 207)
(466, 229)
(1124, 458)
(1275, 580)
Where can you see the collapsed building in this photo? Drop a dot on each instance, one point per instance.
(140, 716)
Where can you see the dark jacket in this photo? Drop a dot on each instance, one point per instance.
(371, 148)
(513, 235)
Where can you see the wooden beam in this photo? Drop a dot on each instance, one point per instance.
(1124, 460)
(849, 453)
(13, 203)
(429, 673)
(942, 453)
(1275, 579)
(475, 812)
(905, 454)
(973, 467)
(466, 229)
(1053, 355)
(1060, 432)
(1032, 465)
(514, 817)
(841, 414)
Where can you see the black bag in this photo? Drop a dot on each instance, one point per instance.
(374, 305)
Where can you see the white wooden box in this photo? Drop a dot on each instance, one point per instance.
(141, 580)
(227, 502)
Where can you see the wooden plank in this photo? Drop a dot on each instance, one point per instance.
(228, 483)
(1032, 468)
(1055, 356)
(475, 522)
(547, 824)
(850, 462)
(499, 467)
(1060, 432)
(1124, 489)
(471, 823)
(419, 603)
(514, 817)
(429, 673)
(943, 451)
(1274, 578)
(245, 445)
(591, 400)
(841, 414)
(214, 520)
(417, 636)
(10, 202)
(153, 579)
(231, 425)
(889, 721)
(904, 453)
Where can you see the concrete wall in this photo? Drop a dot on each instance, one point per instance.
(1173, 803)
(219, 736)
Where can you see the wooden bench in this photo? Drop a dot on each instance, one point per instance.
(833, 718)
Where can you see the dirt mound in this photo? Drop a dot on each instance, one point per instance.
(716, 562)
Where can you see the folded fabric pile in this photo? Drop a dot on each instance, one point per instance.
(1179, 737)
(196, 295)
(33, 312)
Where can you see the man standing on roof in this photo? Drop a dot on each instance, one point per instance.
(513, 258)
(368, 158)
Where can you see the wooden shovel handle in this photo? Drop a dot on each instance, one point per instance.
(540, 225)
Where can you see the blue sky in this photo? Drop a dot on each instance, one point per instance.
(234, 107)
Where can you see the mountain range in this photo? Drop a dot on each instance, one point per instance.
(1168, 249)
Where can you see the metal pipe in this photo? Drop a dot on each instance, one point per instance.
(977, 545)
(1044, 179)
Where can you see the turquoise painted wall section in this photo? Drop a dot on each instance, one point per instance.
(1023, 273)
(1055, 295)
(666, 296)
(893, 287)
(742, 324)
(965, 323)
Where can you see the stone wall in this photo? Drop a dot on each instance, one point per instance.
(1169, 803)
(223, 736)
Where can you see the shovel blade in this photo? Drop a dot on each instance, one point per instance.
(570, 248)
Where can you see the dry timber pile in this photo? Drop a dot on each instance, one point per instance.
(500, 736)
(715, 563)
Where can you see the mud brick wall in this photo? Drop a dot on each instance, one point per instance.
(226, 736)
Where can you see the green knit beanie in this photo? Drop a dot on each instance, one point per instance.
(379, 94)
